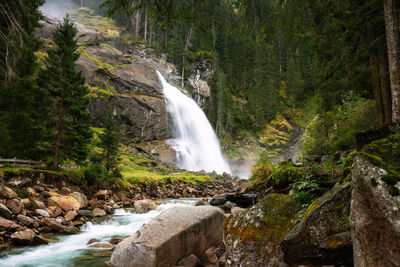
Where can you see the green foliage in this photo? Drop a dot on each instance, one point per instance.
(335, 130)
(110, 146)
(69, 95)
(94, 172)
(305, 191)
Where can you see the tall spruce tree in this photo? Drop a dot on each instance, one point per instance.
(70, 98)
(109, 143)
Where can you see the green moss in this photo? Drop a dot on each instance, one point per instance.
(100, 64)
(374, 183)
(394, 191)
(390, 178)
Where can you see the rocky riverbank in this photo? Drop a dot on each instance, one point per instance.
(33, 203)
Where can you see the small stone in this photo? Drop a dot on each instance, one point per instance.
(36, 204)
(42, 213)
(143, 206)
(115, 240)
(210, 256)
(91, 241)
(70, 215)
(7, 225)
(31, 191)
(101, 194)
(202, 202)
(98, 212)
(85, 213)
(56, 211)
(191, 261)
(101, 245)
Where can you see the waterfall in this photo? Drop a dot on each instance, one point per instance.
(194, 139)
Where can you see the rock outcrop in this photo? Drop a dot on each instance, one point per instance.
(122, 83)
(253, 237)
(322, 237)
(375, 217)
(172, 236)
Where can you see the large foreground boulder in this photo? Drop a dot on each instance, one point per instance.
(323, 235)
(375, 217)
(173, 235)
(253, 237)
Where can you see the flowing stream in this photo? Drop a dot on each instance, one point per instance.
(73, 250)
(194, 139)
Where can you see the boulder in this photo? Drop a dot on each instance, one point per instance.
(65, 203)
(173, 235)
(15, 205)
(374, 217)
(307, 243)
(81, 198)
(56, 211)
(99, 212)
(218, 201)
(6, 225)
(27, 221)
(36, 204)
(42, 213)
(143, 206)
(253, 237)
(54, 224)
(6, 192)
(70, 215)
(5, 212)
(242, 200)
(26, 237)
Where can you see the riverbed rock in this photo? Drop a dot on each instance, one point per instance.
(99, 212)
(15, 205)
(375, 217)
(26, 237)
(56, 211)
(81, 198)
(70, 215)
(5, 212)
(173, 235)
(35, 203)
(6, 192)
(65, 203)
(27, 221)
(53, 224)
(9, 225)
(42, 213)
(143, 206)
(101, 194)
(85, 213)
(253, 237)
(308, 243)
(191, 261)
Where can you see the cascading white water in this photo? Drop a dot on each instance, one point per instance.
(68, 250)
(194, 139)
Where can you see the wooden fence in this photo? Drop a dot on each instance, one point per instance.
(34, 164)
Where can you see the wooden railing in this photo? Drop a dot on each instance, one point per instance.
(34, 164)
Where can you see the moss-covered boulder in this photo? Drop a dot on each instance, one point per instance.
(252, 237)
(375, 215)
(321, 238)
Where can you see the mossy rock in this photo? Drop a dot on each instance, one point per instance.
(326, 216)
(252, 237)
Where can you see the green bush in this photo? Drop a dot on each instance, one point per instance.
(94, 172)
(336, 129)
(305, 191)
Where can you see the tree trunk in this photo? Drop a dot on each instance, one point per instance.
(385, 87)
(376, 84)
(145, 25)
(58, 136)
(137, 28)
(392, 23)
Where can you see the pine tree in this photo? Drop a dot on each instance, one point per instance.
(109, 143)
(67, 88)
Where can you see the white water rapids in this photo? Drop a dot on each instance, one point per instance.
(68, 249)
(194, 139)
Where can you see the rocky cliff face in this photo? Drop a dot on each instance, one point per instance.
(124, 83)
(200, 72)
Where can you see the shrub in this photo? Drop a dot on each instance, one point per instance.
(335, 130)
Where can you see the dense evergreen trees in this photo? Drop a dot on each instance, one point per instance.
(68, 97)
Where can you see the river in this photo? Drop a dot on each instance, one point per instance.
(73, 250)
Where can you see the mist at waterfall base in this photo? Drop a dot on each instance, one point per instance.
(74, 250)
(194, 139)
(56, 8)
